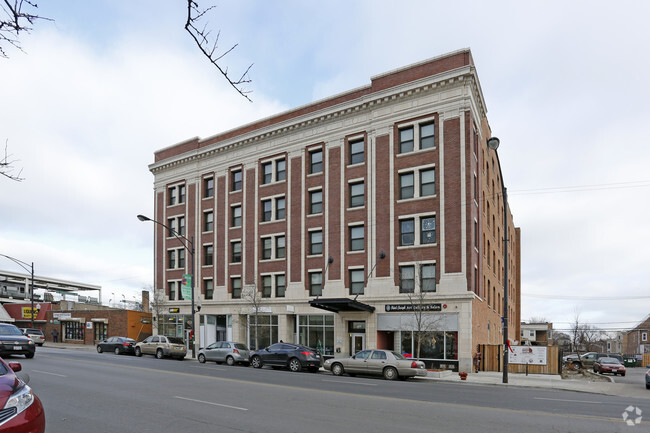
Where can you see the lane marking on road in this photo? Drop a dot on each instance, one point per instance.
(207, 367)
(571, 401)
(47, 372)
(350, 381)
(210, 403)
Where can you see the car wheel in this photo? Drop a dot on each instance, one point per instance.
(576, 366)
(138, 352)
(117, 351)
(40, 344)
(29, 355)
(647, 386)
(230, 361)
(294, 365)
(256, 362)
(337, 369)
(159, 354)
(99, 349)
(201, 358)
(390, 373)
(622, 374)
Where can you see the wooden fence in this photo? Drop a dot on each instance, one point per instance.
(492, 360)
(646, 359)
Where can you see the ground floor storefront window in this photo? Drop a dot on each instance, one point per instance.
(175, 325)
(317, 331)
(101, 331)
(215, 328)
(262, 331)
(73, 330)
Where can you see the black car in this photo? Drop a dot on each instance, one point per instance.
(13, 342)
(117, 345)
(293, 356)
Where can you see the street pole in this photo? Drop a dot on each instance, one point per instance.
(192, 338)
(493, 143)
(29, 269)
(31, 291)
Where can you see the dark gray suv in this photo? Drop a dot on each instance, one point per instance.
(13, 342)
(287, 355)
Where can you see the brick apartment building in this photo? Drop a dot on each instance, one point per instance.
(337, 220)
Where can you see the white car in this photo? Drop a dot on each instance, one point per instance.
(36, 335)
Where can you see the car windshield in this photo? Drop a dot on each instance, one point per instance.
(175, 340)
(241, 346)
(35, 331)
(609, 361)
(398, 355)
(9, 330)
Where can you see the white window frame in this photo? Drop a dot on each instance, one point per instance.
(418, 229)
(417, 184)
(416, 134)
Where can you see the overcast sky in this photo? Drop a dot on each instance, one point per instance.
(107, 83)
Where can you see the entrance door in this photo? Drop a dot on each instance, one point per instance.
(357, 343)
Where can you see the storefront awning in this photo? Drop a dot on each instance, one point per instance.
(337, 305)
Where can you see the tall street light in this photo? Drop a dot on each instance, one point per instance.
(185, 241)
(29, 269)
(493, 143)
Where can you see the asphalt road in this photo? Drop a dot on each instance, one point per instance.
(86, 391)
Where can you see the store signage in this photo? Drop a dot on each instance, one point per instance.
(62, 315)
(534, 355)
(413, 307)
(174, 310)
(186, 286)
(28, 313)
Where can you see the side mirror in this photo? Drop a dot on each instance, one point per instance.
(15, 366)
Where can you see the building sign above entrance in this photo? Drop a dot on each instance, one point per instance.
(413, 307)
(174, 310)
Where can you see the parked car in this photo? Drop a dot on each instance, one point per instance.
(647, 377)
(225, 351)
(13, 342)
(609, 365)
(286, 355)
(117, 345)
(161, 346)
(36, 335)
(588, 359)
(22, 411)
(391, 365)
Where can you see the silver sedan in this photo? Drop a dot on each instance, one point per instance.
(229, 352)
(391, 365)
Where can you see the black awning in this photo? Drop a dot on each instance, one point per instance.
(337, 305)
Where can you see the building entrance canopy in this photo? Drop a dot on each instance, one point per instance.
(336, 305)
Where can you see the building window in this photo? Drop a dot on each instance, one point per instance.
(267, 248)
(267, 172)
(208, 289)
(171, 194)
(266, 286)
(357, 281)
(315, 283)
(316, 242)
(171, 262)
(171, 224)
(406, 140)
(280, 170)
(181, 258)
(171, 286)
(235, 256)
(427, 182)
(280, 208)
(407, 232)
(357, 238)
(644, 336)
(176, 226)
(181, 194)
(101, 331)
(406, 182)
(357, 152)
(235, 286)
(280, 286)
(267, 210)
(181, 226)
(208, 187)
(236, 178)
(428, 278)
(316, 202)
(208, 255)
(280, 247)
(427, 136)
(74, 330)
(428, 232)
(208, 221)
(357, 194)
(236, 216)
(316, 161)
(317, 331)
(407, 279)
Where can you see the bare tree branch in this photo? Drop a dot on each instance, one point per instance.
(209, 49)
(15, 21)
(7, 167)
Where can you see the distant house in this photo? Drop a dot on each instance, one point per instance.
(636, 341)
(536, 334)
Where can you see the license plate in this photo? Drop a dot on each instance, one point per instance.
(614, 371)
(18, 347)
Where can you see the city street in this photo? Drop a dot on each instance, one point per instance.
(109, 393)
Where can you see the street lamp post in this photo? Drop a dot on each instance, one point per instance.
(185, 241)
(493, 143)
(29, 269)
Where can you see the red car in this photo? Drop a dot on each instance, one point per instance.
(609, 365)
(20, 410)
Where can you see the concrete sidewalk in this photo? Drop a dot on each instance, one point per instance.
(550, 381)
